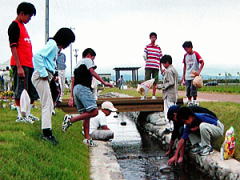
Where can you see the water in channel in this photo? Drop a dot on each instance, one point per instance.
(141, 157)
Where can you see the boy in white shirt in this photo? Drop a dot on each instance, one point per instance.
(98, 125)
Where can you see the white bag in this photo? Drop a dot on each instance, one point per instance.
(145, 86)
(24, 103)
(198, 82)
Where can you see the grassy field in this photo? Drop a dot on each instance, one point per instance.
(23, 155)
(233, 89)
(228, 113)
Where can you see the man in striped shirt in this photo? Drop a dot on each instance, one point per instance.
(152, 56)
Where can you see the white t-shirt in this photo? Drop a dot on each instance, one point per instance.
(6, 75)
(98, 121)
(192, 64)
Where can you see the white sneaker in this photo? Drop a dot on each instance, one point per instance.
(33, 118)
(24, 120)
(29, 120)
(66, 122)
(154, 97)
(195, 103)
(21, 119)
(189, 103)
(143, 97)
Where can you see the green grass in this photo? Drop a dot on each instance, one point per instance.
(23, 155)
(232, 89)
(228, 113)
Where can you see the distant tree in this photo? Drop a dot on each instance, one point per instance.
(106, 79)
(226, 78)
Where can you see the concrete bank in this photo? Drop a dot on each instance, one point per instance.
(104, 165)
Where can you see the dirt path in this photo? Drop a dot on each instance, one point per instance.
(204, 96)
(207, 96)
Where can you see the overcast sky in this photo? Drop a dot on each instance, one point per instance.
(118, 30)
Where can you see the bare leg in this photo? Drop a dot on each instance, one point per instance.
(154, 89)
(86, 128)
(85, 115)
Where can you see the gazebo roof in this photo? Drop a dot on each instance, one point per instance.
(126, 68)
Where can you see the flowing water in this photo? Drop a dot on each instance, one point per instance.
(141, 157)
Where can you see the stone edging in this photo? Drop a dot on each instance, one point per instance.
(104, 165)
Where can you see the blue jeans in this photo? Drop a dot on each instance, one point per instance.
(191, 90)
(84, 98)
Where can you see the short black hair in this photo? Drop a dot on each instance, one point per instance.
(166, 58)
(26, 8)
(152, 34)
(173, 109)
(187, 44)
(64, 37)
(184, 113)
(88, 51)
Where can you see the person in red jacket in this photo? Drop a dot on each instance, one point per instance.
(21, 60)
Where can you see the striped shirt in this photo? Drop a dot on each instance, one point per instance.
(152, 55)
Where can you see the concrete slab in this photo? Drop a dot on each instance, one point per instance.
(104, 165)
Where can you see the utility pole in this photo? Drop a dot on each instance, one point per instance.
(71, 58)
(76, 54)
(47, 21)
(71, 52)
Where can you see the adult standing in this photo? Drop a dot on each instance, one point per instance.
(6, 78)
(1, 80)
(152, 56)
(61, 66)
(120, 82)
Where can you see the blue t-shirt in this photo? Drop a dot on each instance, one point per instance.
(45, 59)
(61, 61)
(200, 117)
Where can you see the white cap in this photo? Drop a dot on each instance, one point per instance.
(109, 106)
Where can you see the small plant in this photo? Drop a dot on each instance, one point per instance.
(6, 94)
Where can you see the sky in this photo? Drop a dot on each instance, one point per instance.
(118, 30)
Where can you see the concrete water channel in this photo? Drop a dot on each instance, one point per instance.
(141, 157)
